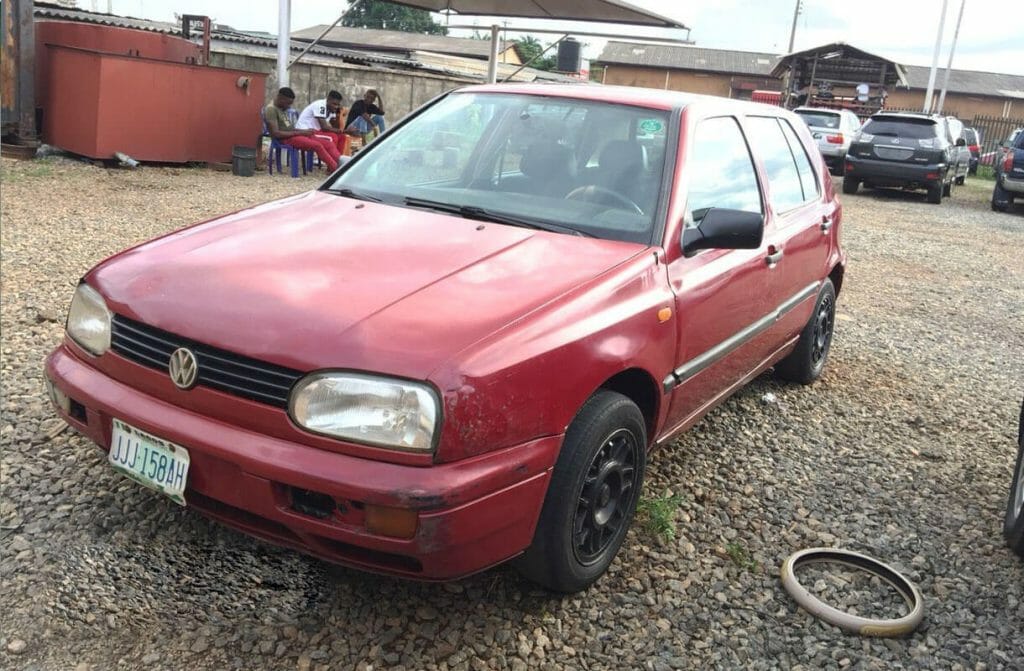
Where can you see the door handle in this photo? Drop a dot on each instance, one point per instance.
(773, 257)
(826, 224)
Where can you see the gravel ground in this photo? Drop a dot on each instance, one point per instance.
(903, 451)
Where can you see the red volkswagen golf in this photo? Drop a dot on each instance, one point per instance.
(462, 347)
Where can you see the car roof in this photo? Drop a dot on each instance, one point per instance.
(819, 109)
(906, 115)
(629, 95)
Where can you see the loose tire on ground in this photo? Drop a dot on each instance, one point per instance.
(1013, 526)
(850, 185)
(592, 495)
(806, 363)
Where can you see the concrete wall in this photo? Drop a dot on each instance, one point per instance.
(314, 76)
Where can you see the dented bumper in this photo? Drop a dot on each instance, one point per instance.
(470, 514)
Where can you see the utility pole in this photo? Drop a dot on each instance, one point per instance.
(792, 31)
(952, 49)
(935, 61)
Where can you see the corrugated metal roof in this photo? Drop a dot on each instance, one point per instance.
(393, 40)
(969, 81)
(48, 11)
(689, 58)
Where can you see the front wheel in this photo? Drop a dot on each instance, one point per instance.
(592, 495)
(1013, 528)
(947, 190)
(807, 361)
(850, 185)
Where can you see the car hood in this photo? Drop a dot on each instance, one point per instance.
(322, 281)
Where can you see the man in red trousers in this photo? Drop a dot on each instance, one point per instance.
(283, 129)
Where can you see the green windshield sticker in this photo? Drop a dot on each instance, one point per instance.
(651, 126)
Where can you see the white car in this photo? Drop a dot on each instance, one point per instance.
(833, 130)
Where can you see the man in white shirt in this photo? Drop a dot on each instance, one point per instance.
(317, 117)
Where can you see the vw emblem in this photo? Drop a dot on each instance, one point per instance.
(184, 368)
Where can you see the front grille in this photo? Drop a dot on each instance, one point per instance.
(893, 153)
(231, 373)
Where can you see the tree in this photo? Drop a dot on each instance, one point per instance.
(386, 16)
(529, 47)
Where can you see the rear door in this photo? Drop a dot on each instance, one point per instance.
(801, 228)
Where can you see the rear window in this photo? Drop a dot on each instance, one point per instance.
(971, 136)
(820, 119)
(915, 129)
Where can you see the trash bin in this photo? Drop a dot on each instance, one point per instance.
(243, 161)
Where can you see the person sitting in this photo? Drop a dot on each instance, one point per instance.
(366, 116)
(318, 117)
(281, 128)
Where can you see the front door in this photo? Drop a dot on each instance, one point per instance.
(719, 293)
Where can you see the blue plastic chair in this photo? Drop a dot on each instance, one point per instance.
(293, 156)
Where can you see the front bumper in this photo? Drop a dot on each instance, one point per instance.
(472, 514)
(895, 173)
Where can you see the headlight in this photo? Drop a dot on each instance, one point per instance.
(89, 320)
(367, 409)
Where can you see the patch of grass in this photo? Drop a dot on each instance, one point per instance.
(986, 172)
(30, 170)
(741, 557)
(658, 515)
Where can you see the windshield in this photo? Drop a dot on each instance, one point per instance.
(915, 129)
(576, 166)
(820, 119)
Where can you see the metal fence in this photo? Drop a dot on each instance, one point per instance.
(994, 131)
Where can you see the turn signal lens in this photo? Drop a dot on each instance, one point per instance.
(393, 522)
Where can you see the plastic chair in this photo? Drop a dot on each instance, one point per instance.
(293, 159)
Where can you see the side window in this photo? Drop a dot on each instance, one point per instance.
(721, 170)
(803, 163)
(785, 187)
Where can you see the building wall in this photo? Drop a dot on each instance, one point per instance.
(707, 83)
(313, 76)
(965, 106)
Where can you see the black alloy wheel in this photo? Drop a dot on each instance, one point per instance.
(607, 495)
(824, 321)
(591, 497)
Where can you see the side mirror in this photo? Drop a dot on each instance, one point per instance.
(960, 142)
(721, 228)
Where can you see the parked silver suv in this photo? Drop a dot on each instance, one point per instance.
(833, 130)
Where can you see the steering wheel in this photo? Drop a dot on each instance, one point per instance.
(598, 194)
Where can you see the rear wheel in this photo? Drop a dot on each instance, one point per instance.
(1013, 528)
(850, 185)
(807, 361)
(1000, 198)
(961, 179)
(592, 495)
(935, 193)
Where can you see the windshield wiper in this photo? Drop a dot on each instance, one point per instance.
(482, 214)
(349, 193)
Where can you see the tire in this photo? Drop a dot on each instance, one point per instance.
(947, 190)
(592, 495)
(850, 185)
(935, 193)
(961, 179)
(1000, 198)
(1013, 527)
(972, 171)
(807, 361)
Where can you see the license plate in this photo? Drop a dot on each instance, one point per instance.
(150, 461)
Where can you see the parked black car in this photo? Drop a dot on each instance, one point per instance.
(973, 137)
(1013, 526)
(912, 151)
(1009, 173)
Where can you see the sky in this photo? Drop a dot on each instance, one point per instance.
(901, 30)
